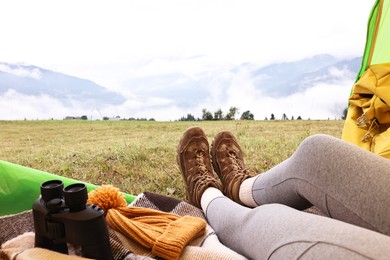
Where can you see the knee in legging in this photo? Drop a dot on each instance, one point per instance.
(317, 139)
(316, 143)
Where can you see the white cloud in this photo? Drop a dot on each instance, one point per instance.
(14, 105)
(318, 101)
(20, 71)
(341, 73)
(241, 89)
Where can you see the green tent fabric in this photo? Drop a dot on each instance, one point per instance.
(378, 36)
(20, 187)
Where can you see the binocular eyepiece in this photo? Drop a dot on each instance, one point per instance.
(74, 195)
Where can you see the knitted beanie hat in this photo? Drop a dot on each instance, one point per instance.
(166, 234)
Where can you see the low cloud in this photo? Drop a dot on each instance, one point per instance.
(222, 89)
(318, 101)
(17, 106)
(322, 101)
(20, 71)
(14, 105)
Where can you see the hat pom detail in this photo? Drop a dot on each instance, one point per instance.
(107, 197)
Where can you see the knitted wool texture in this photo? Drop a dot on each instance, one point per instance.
(164, 233)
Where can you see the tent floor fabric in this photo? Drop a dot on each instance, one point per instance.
(17, 237)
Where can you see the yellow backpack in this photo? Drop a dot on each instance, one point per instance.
(368, 119)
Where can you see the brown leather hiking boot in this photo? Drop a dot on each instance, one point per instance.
(193, 157)
(228, 163)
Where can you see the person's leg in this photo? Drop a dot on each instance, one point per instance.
(343, 180)
(275, 231)
(270, 230)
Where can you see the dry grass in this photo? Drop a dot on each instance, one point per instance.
(136, 156)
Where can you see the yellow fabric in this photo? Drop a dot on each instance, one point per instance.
(165, 233)
(368, 117)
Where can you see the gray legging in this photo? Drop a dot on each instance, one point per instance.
(349, 184)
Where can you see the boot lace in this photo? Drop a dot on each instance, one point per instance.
(200, 161)
(237, 170)
(203, 175)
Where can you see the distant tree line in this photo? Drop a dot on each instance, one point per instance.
(231, 115)
(284, 117)
(129, 119)
(219, 115)
(116, 118)
(207, 116)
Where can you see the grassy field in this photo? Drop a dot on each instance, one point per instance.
(135, 155)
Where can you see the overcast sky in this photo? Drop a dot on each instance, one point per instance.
(111, 41)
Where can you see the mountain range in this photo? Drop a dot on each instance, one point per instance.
(274, 80)
(284, 79)
(31, 80)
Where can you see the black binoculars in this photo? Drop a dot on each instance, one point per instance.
(62, 216)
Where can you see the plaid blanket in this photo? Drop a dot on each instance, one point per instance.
(17, 237)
